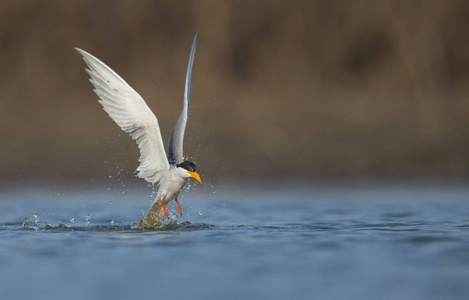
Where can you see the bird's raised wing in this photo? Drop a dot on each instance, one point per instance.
(128, 109)
(177, 137)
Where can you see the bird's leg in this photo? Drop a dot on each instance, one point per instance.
(164, 208)
(179, 206)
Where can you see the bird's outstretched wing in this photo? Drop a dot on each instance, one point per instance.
(128, 109)
(177, 137)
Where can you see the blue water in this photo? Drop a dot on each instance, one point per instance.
(359, 241)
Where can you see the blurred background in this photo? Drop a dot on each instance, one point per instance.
(298, 89)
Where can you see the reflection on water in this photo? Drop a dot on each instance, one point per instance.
(326, 243)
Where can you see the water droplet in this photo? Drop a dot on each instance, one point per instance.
(112, 222)
(25, 223)
(72, 220)
(201, 213)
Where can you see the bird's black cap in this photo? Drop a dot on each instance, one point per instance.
(187, 165)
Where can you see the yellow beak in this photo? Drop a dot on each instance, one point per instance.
(195, 175)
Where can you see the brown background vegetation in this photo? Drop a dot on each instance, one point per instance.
(281, 88)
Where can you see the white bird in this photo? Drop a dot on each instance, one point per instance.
(128, 109)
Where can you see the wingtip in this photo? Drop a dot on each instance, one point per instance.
(82, 52)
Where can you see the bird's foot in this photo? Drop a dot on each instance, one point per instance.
(179, 206)
(164, 209)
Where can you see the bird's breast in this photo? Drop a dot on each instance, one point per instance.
(170, 186)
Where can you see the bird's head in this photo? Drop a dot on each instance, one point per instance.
(188, 169)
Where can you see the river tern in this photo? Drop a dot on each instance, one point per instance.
(128, 109)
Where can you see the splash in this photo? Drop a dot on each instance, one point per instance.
(25, 223)
(154, 217)
(36, 221)
(87, 220)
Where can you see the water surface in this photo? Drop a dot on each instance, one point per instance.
(332, 242)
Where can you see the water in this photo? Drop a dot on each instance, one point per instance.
(334, 242)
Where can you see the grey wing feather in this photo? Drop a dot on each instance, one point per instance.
(177, 137)
(128, 109)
